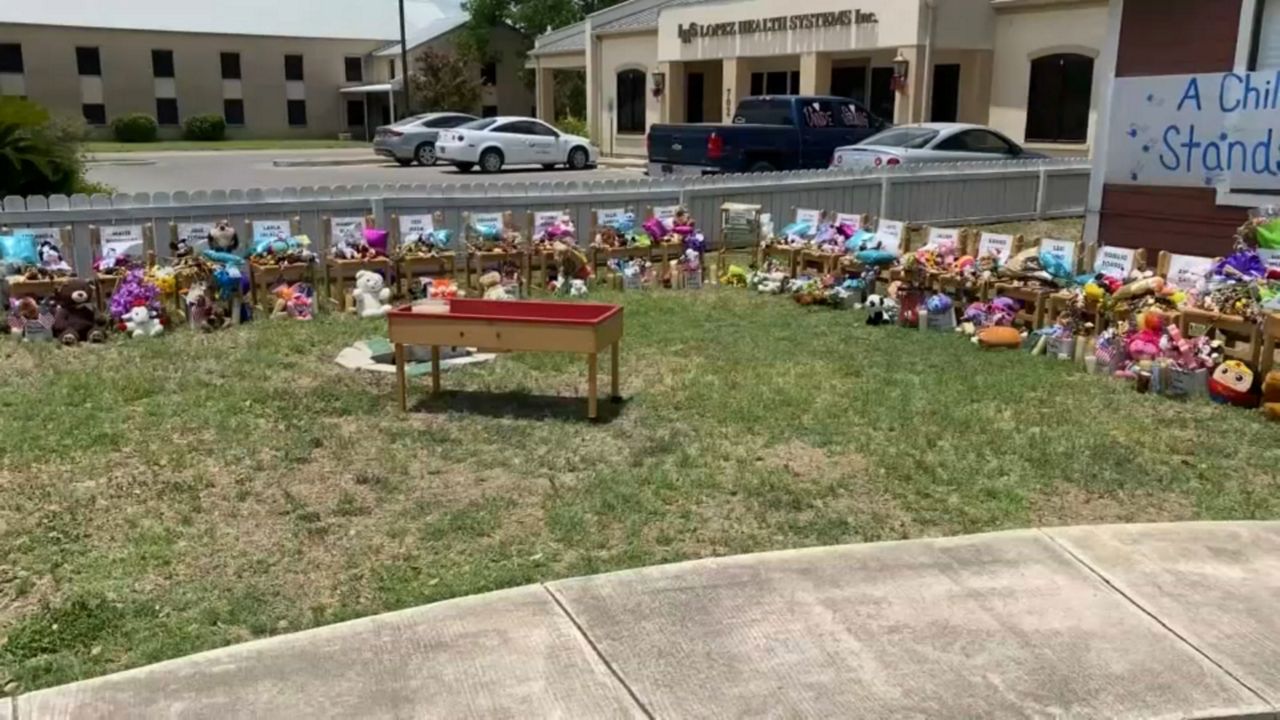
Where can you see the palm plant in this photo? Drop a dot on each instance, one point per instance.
(38, 156)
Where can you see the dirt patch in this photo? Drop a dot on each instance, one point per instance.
(1065, 504)
(806, 462)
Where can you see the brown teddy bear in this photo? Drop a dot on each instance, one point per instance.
(76, 320)
(1271, 395)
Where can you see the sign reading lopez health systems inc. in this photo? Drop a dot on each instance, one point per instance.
(1196, 131)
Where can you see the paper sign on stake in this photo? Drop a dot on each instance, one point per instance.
(940, 235)
(809, 217)
(607, 217)
(853, 219)
(665, 212)
(417, 225)
(1188, 271)
(121, 240)
(1063, 250)
(545, 219)
(1115, 261)
(487, 218)
(47, 234)
(343, 226)
(994, 244)
(889, 234)
(196, 235)
(271, 229)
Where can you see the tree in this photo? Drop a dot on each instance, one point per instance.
(444, 82)
(38, 154)
(530, 17)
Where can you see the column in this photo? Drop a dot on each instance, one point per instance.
(545, 80)
(594, 123)
(815, 74)
(673, 98)
(736, 85)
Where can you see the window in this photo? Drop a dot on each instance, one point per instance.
(1265, 54)
(297, 113)
(915, 138)
(10, 58)
(162, 63)
(1059, 100)
(477, 125)
(94, 113)
(759, 111)
(293, 67)
(391, 65)
(355, 113)
(514, 128)
(819, 114)
(233, 111)
(537, 128)
(977, 141)
(631, 101)
(775, 83)
(489, 111)
(88, 61)
(355, 69)
(489, 73)
(230, 66)
(447, 121)
(853, 115)
(167, 111)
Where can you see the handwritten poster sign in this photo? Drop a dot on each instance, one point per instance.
(196, 235)
(118, 240)
(665, 212)
(271, 229)
(889, 234)
(344, 226)
(943, 235)
(811, 217)
(1063, 250)
(995, 244)
(545, 219)
(609, 216)
(1114, 261)
(1187, 271)
(421, 225)
(45, 234)
(853, 219)
(487, 218)
(1196, 131)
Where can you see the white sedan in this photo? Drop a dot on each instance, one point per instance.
(929, 143)
(494, 143)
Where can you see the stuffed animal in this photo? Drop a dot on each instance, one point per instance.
(881, 310)
(577, 288)
(370, 296)
(29, 321)
(203, 313)
(1234, 383)
(76, 318)
(293, 301)
(491, 285)
(223, 238)
(1271, 395)
(139, 322)
(999, 336)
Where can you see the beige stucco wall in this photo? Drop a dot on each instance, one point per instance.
(128, 84)
(617, 53)
(1024, 34)
(510, 94)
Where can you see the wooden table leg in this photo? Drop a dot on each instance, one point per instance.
(400, 378)
(591, 386)
(435, 369)
(615, 395)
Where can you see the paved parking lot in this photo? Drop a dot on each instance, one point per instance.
(138, 172)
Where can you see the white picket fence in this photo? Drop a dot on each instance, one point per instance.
(952, 194)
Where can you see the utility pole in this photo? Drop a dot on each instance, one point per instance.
(404, 65)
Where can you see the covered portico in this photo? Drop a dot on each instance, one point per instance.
(378, 106)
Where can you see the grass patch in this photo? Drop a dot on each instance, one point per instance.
(206, 145)
(161, 498)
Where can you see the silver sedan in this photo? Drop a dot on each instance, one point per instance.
(413, 139)
(929, 143)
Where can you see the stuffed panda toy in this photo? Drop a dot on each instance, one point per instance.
(223, 238)
(881, 310)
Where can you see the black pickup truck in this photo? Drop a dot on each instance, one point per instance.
(772, 132)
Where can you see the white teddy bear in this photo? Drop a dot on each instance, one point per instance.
(139, 323)
(370, 296)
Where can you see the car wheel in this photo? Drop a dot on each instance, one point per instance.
(425, 154)
(403, 163)
(761, 167)
(491, 161)
(578, 158)
(464, 167)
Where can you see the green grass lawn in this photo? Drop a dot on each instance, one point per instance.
(163, 497)
(174, 145)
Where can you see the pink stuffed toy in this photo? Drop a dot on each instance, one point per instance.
(655, 229)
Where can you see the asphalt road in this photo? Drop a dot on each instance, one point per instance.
(171, 171)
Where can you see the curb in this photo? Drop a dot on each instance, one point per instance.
(117, 161)
(331, 162)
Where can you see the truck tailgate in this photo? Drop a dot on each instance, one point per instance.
(680, 144)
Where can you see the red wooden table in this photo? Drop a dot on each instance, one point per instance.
(513, 325)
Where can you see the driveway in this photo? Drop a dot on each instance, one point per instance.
(170, 171)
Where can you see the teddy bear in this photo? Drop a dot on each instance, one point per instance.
(139, 323)
(76, 319)
(222, 238)
(371, 298)
(491, 285)
(1271, 395)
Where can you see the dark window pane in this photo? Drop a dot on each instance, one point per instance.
(759, 111)
(489, 73)
(631, 87)
(795, 82)
(162, 63)
(94, 113)
(775, 83)
(233, 111)
(167, 111)
(293, 67)
(230, 66)
(297, 113)
(489, 111)
(355, 113)
(88, 61)
(1059, 98)
(355, 69)
(757, 83)
(10, 58)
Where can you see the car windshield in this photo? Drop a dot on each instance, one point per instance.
(903, 137)
(482, 124)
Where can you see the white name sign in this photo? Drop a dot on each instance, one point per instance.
(665, 212)
(545, 219)
(607, 217)
(120, 240)
(810, 217)
(1188, 271)
(1063, 250)
(853, 219)
(999, 245)
(271, 229)
(46, 234)
(417, 225)
(889, 234)
(943, 235)
(487, 218)
(1196, 130)
(343, 226)
(196, 235)
(1115, 261)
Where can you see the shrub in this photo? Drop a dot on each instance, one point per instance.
(204, 127)
(38, 154)
(572, 126)
(135, 128)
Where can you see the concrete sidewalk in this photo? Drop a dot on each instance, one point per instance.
(1153, 621)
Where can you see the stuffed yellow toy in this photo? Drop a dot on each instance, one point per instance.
(1271, 395)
